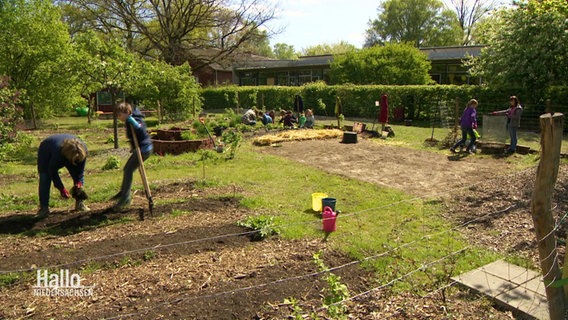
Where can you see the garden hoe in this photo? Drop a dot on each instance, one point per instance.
(217, 148)
(143, 174)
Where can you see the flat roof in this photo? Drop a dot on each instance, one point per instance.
(434, 54)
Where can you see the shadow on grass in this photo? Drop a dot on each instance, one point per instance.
(316, 214)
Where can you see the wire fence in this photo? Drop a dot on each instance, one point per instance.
(390, 253)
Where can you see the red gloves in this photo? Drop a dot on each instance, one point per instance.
(64, 193)
(494, 112)
(474, 126)
(79, 185)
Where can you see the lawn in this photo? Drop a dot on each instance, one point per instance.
(386, 230)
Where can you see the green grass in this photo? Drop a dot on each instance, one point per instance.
(401, 233)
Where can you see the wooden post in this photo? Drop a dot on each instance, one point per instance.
(548, 106)
(551, 139)
(457, 113)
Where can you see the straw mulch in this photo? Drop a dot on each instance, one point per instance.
(296, 135)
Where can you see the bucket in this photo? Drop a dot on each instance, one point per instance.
(328, 202)
(316, 200)
(349, 137)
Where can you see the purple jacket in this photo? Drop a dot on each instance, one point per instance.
(469, 118)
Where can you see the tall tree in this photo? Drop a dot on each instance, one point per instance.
(392, 64)
(204, 31)
(469, 12)
(336, 48)
(103, 64)
(424, 23)
(34, 43)
(527, 47)
(285, 51)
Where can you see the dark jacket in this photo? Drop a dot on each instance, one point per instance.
(50, 159)
(144, 140)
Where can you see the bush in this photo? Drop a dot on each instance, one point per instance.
(112, 163)
(263, 225)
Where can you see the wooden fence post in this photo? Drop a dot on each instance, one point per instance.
(550, 141)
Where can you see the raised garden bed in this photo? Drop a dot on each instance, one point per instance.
(181, 146)
(170, 141)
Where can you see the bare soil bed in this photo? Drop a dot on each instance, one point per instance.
(201, 265)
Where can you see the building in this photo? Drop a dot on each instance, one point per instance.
(447, 68)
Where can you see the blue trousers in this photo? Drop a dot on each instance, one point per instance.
(465, 132)
(513, 135)
(45, 189)
(131, 165)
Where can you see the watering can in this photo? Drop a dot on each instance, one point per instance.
(328, 218)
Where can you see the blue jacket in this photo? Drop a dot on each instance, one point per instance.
(50, 159)
(144, 140)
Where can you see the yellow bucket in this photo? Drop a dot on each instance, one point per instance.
(316, 200)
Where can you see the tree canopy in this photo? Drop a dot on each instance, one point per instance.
(35, 43)
(176, 30)
(424, 23)
(325, 48)
(527, 47)
(469, 13)
(392, 64)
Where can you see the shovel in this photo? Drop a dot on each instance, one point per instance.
(143, 172)
(217, 148)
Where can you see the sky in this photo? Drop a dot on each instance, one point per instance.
(311, 22)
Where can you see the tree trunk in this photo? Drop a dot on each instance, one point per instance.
(547, 172)
(114, 118)
(33, 115)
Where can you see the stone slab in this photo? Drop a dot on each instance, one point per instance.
(516, 287)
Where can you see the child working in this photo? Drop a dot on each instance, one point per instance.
(468, 123)
(132, 118)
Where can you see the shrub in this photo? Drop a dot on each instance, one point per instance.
(112, 163)
(263, 225)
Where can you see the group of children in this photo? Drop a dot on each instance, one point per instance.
(69, 151)
(287, 118)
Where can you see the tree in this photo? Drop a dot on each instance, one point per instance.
(527, 47)
(258, 45)
(336, 48)
(285, 51)
(34, 44)
(392, 64)
(425, 23)
(10, 114)
(469, 12)
(180, 30)
(172, 89)
(103, 64)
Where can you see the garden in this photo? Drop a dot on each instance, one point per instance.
(233, 233)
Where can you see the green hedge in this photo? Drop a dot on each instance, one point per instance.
(417, 102)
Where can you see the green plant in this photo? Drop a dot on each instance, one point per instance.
(8, 279)
(112, 163)
(296, 309)
(110, 140)
(231, 140)
(189, 135)
(335, 293)
(263, 225)
(149, 255)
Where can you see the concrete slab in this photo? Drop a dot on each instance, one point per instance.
(516, 287)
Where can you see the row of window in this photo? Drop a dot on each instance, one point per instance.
(442, 73)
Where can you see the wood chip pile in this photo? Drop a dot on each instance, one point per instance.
(296, 135)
